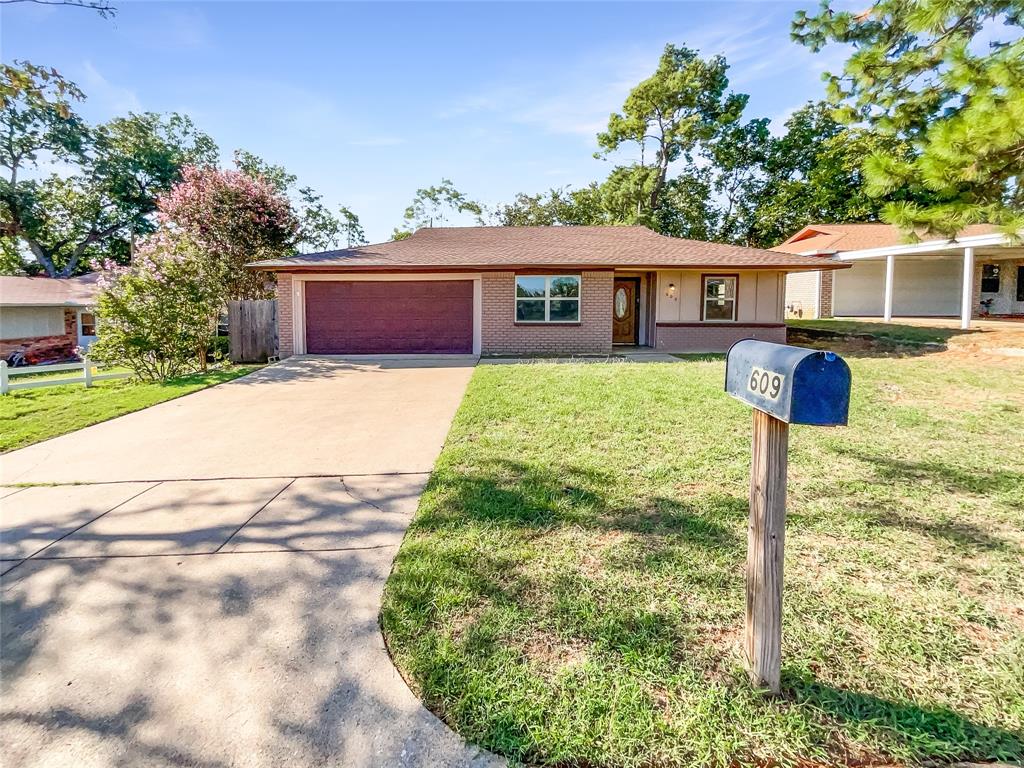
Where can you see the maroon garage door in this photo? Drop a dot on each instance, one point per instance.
(400, 317)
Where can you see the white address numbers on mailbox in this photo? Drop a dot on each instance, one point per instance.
(766, 383)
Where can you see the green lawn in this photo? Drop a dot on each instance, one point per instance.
(571, 590)
(894, 332)
(30, 415)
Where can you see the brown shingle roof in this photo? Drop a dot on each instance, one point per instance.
(832, 238)
(47, 291)
(503, 247)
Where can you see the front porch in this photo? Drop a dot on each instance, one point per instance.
(684, 311)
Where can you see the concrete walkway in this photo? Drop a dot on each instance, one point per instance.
(200, 602)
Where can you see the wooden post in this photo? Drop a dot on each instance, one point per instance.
(86, 370)
(5, 384)
(762, 639)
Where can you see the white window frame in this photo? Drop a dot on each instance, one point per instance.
(81, 324)
(704, 297)
(547, 298)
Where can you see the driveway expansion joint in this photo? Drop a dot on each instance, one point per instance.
(87, 523)
(269, 501)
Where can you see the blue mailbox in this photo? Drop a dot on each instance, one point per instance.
(795, 385)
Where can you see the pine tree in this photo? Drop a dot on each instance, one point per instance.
(947, 76)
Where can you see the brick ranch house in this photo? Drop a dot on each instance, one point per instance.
(46, 318)
(531, 290)
(980, 272)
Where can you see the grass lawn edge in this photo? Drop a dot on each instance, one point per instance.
(250, 369)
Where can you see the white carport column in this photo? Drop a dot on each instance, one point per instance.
(890, 268)
(967, 298)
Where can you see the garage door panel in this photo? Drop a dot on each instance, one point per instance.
(389, 317)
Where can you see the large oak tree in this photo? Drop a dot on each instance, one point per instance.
(110, 174)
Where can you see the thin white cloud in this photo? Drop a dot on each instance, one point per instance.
(578, 99)
(112, 98)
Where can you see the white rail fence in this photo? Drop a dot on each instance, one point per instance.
(86, 367)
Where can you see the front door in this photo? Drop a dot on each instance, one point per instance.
(626, 311)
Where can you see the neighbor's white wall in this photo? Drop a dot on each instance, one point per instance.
(921, 287)
(760, 300)
(27, 322)
(803, 294)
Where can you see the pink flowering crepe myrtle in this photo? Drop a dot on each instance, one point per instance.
(234, 219)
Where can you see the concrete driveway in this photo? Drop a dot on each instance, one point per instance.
(207, 592)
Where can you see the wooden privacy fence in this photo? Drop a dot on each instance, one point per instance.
(87, 377)
(252, 330)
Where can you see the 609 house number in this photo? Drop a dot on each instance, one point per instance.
(766, 383)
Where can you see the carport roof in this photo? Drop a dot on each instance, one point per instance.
(837, 238)
(453, 248)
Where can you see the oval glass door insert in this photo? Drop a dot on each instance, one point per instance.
(620, 303)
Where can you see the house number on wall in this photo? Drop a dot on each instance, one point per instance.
(766, 383)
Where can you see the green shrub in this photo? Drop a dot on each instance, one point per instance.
(158, 315)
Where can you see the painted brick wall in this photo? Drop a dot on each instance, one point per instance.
(714, 338)
(500, 335)
(801, 295)
(285, 339)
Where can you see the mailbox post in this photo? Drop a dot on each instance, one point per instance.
(785, 385)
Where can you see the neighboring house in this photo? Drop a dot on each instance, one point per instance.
(531, 290)
(978, 273)
(46, 318)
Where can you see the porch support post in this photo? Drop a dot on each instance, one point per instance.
(890, 268)
(967, 299)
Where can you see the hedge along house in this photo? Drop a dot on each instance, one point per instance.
(978, 273)
(531, 290)
(45, 318)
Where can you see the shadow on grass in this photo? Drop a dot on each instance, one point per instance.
(934, 733)
(1007, 484)
(521, 495)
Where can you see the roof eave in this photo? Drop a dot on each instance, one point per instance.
(816, 265)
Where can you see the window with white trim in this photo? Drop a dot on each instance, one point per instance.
(88, 321)
(719, 298)
(547, 298)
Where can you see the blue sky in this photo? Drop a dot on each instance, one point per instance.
(368, 102)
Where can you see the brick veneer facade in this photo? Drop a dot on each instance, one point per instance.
(713, 338)
(825, 299)
(46, 349)
(285, 315)
(501, 335)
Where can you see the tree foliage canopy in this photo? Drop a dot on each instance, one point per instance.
(679, 108)
(111, 173)
(235, 219)
(431, 206)
(948, 77)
